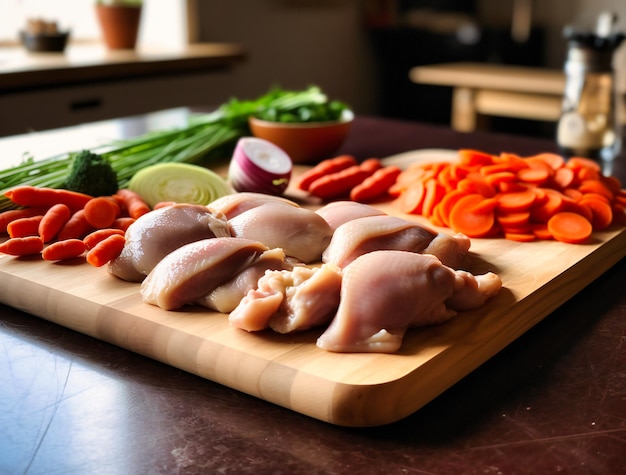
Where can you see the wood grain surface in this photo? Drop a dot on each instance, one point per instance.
(289, 370)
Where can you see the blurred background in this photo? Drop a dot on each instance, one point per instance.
(359, 51)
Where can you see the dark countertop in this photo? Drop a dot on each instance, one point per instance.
(554, 401)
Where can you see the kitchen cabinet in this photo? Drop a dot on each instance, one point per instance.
(90, 83)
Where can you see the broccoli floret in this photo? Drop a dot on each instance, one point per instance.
(91, 174)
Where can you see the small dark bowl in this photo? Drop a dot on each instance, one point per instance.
(45, 42)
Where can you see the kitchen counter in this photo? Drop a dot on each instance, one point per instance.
(552, 401)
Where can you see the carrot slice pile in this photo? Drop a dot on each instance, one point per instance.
(542, 196)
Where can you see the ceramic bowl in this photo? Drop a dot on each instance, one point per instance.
(54, 43)
(305, 142)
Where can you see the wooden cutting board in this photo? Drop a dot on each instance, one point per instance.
(289, 370)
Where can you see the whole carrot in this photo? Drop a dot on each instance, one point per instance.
(53, 221)
(106, 250)
(133, 202)
(61, 250)
(27, 195)
(123, 222)
(325, 167)
(22, 246)
(23, 227)
(341, 182)
(10, 215)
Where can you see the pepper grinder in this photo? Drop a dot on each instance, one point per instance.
(589, 125)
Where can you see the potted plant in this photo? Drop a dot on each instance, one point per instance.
(119, 22)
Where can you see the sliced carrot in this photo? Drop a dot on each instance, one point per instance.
(410, 201)
(468, 218)
(570, 227)
(577, 163)
(595, 186)
(520, 236)
(514, 219)
(537, 176)
(602, 212)
(447, 203)
(540, 230)
(470, 157)
(563, 177)
(553, 160)
(516, 201)
(62, 250)
(476, 183)
(543, 212)
(433, 194)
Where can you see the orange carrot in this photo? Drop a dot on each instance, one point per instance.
(433, 193)
(569, 227)
(23, 227)
(106, 250)
(93, 238)
(516, 201)
(601, 212)
(411, 199)
(163, 204)
(10, 215)
(76, 227)
(376, 185)
(101, 212)
(61, 250)
(537, 176)
(123, 223)
(22, 246)
(469, 218)
(340, 183)
(53, 221)
(41, 196)
(325, 167)
(133, 202)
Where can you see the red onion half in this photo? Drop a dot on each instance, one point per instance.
(259, 166)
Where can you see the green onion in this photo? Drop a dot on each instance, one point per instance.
(202, 139)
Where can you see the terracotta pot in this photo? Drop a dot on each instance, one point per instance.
(119, 25)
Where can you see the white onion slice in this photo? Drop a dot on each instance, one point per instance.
(259, 166)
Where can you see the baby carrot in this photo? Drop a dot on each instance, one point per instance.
(10, 215)
(61, 250)
(76, 227)
(101, 212)
(376, 185)
(22, 246)
(92, 239)
(325, 167)
(23, 227)
(133, 202)
(27, 195)
(53, 221)
(106, 250)
(341, 182)
(123, 223)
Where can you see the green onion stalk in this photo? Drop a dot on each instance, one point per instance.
(201, 140)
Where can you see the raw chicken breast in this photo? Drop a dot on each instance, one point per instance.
(373, 233)
(192, 271)
(237, 203)
(227, 296)
(289, 301)
(337, 213)
(157, 233)
(384, 293)
(302, 233)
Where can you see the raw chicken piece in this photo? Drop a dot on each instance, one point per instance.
(227, 296)
(237, 203)
(302, 233)
(192, 271)
(157, 233)
(373, 233)
(337, 213)
(289, 301)
(384, 293)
